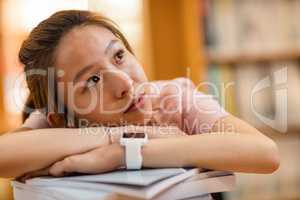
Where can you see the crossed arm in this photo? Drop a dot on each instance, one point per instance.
(61, 151)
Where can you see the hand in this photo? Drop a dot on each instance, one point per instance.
(100, 160)
(38, 173)
(168, 105)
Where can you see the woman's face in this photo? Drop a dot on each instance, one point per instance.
(99, 79)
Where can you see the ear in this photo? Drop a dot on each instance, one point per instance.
(55, 120)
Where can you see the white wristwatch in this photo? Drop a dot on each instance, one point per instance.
(133, 143)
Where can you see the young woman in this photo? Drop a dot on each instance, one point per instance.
(81, 69)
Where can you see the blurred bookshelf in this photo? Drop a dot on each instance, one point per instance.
(229, 41)
(236, 46)
(253, 58)
(251, 43)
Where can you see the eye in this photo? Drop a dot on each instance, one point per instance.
(119, 56)
(92, 81)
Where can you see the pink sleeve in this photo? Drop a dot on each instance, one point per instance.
(200, 111)
(36, 120)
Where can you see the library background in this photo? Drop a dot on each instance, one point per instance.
(244, 52)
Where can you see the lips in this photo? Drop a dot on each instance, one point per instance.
(135, 104)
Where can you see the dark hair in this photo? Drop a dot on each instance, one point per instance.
(38, 53)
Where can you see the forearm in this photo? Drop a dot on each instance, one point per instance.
(27, 151)
(226, 151)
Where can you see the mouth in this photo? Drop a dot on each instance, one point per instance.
(135, 104)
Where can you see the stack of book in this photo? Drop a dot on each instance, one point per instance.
(158, 184)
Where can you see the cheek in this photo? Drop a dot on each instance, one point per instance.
(140, 73)
(97, 102)
(83, 101)
(93, 107)
(136, 71)
(105, 114)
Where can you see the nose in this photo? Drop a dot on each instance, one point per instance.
(122, 84)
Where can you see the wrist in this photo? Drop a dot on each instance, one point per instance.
(120, 155)
(148, 153)
(160, 153)
(133, 144)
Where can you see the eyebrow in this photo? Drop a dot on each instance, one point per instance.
(109, 46)
(89, 67)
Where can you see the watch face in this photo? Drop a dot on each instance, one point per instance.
(134, 135)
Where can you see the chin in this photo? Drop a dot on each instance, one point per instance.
(140, 117)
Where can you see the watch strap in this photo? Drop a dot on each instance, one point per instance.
(133, 155)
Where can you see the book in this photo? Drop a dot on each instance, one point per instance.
(158, 184)
(135, 177)
(224, 22)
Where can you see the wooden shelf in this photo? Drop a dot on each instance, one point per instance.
(253, 58)
(177, 39)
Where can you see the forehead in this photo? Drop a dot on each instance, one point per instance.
(80, 47)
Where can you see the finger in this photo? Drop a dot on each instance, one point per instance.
(90, 162)
(57, 169)
(42, 172)
(65, 166)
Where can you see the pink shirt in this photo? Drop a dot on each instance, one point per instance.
(177, 102)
